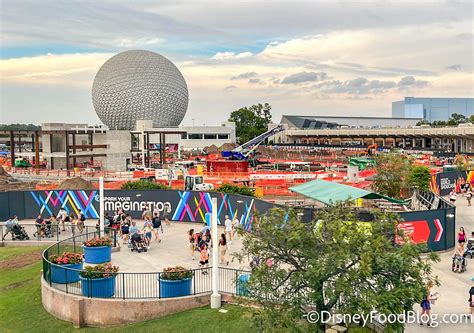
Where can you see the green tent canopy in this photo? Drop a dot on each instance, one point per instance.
(331, 192)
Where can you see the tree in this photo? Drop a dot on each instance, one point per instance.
(457, 118)
(19, 127)
(392, 174)
(143, 185)
(234, 189)
(251, 121)
(420, 177)
(335, 262)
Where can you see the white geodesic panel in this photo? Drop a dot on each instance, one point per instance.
(136, 85)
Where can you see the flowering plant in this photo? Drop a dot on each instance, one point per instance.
(99, 271)
(176, 273)
(96, 242)
(67, 258)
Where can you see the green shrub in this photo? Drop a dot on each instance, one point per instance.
(143, 185)
(176, 273)
(234, 189)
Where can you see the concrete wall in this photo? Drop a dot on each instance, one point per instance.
(118, 149)
(82, 311)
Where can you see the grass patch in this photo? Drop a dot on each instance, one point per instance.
(22, 311)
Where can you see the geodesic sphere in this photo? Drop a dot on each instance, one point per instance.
(139, 85)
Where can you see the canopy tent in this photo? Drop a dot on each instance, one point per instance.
(330, 192)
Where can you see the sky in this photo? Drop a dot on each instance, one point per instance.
(303, 57)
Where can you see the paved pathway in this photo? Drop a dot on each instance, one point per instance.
(454, 289)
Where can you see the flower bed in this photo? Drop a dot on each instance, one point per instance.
(98, 281)
(65, 268)
(97, 250)
(175, 282)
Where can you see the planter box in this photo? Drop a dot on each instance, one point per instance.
(242, 285)
(61, 273)
(175, 288)
(102, 287)
(97, 255)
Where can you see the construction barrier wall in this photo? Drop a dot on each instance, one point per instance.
(436, 227)
(444, 182)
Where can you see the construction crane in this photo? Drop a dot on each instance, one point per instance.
(243, 152)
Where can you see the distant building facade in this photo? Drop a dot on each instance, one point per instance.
(322, 122)
(431, 109)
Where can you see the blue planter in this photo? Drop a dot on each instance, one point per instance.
(242, 285)
(102, 287)
(175, 288)
(97, 255)
(61, 273)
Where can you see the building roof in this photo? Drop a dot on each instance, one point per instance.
(330, 192)
(316, 122)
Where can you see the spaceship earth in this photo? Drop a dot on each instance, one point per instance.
(139, 85)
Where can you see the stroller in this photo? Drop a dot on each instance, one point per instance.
(470, 248)
(19, 233)
(463, 264)
(137, 243)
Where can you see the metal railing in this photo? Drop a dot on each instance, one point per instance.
(52, 232)
(140, 285)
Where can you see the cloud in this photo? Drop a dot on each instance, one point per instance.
(231, 55)
(304, 77)
(246, 75)
(410, 81)
(364, 86)
(230, 88)
(254, 80)
(455, 67)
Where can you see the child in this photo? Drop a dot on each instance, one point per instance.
(204, 258)
(147, 230)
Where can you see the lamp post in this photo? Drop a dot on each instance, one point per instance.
(101, 204)
(215, 297)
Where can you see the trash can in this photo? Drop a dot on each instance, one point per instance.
(242, 284)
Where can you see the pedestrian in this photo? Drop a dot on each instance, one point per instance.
(223, 249)
(9, 225)
(228, 228)
(192, 242)
(62, 217)
(147, 213)
(469, 197)
(148, 230)
(133, 228)
(452, 197)
(235, 226)
(156, 221)
(471, 298)
(426, 305)
(461, 236)
(166, 214)
(125, 232)
(204, 258)
(458, 258)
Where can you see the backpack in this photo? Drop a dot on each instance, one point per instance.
(82, 218)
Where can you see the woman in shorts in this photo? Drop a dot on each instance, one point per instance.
(125, 232)
(204, 258)
(148, 231)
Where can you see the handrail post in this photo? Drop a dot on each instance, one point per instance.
(123, 285)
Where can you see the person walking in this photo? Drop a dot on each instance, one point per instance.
(228, 228)
(458, 258)
(147, 213)
(452, 197)
(204, 258)
(9, 225)
(148, 230)
(469, 197)
(471, 298)
(461, 236)
(192, 242)
(223, 250)
(426, 305)
(156, 221)
(235, 226)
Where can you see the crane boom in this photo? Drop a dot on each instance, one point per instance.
(244, 150)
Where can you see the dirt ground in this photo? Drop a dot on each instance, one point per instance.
(25, 260)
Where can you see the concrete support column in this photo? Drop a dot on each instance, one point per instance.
(37, 159)
(403, 142)
(423, 142)
(455, 142)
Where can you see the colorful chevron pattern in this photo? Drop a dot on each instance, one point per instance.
(71, 201)
(193, 206)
